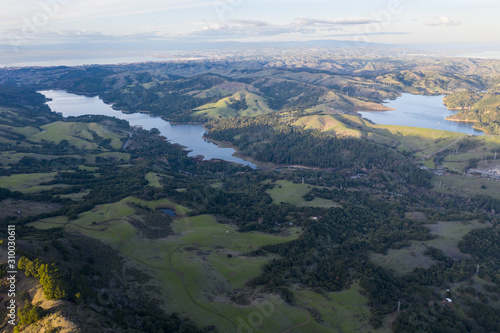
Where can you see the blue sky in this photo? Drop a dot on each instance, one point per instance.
(80, 22)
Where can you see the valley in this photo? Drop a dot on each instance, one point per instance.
(345, 225)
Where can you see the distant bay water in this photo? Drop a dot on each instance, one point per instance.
(187, 135)
(481, 55)
(419, 111)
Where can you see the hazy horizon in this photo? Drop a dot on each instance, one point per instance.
(49, 31)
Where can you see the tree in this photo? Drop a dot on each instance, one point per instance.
(51, 281)
(29, 314)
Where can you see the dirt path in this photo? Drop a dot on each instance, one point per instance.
(288, 330)
(447, 146)
(128, 140)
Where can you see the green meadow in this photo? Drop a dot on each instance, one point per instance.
(27, 183)
(419, 141)
(405, 260)
(345, 311)
(254, 105)
(153, 179)
(288, 192)
(77, 134)
(467, 186)
(199, 267)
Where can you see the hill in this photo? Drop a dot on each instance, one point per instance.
(482, 109)
(347, 230)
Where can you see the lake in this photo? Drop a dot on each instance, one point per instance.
(419, 111)
(169, 212)
(187, 135)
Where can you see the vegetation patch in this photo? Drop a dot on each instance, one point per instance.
(327, 123)
(23, 208)
(292, 193)
(467, 186)
(26, 182)
(448, 235)
(153, 179)
(419, 141)
(242, 103)
(50, 222)
(403, 261)
(345, 311)
(199, 249)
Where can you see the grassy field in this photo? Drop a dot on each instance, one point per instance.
(326, 123)
(11, 157)
(345, 311)
(26, 131)
(224, 89)
(153, 179)
(288, 192)
(77, 134)
(405, 260)
(49, 223)
(192, 268)
(490, 141)
(26, 183)
(255, 105)
(116, 156)
(419, 141)
(467, 186)
(80, 135)
(450, 233)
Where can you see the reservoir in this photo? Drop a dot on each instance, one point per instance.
(169, 212)
(419, 111)
(187, 135)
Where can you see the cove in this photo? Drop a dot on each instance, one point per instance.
(187, 135)
(419, 111)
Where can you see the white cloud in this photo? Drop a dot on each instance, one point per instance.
(15, 13)
(246, 28)
(335, 22)
(443, 21)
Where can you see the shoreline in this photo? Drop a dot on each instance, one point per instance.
(225, 144)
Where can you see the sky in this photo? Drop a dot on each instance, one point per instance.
(31, 27)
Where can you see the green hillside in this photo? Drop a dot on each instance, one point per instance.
(242, 103)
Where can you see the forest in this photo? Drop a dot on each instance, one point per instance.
(482, 109)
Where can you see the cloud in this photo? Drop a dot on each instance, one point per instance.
(253, 28)
(249, 23)
(336, 22)
(230, 30)
(443, 21)
(14, 13)
(19, 38)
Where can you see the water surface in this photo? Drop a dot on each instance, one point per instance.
(169, 212)
(188, 135)
(419, 111)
